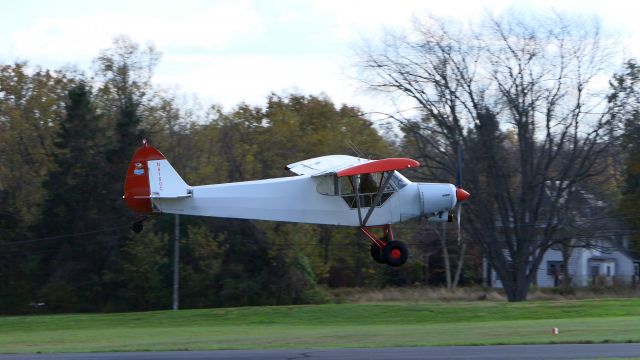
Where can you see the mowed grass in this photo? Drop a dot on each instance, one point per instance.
(324, 326)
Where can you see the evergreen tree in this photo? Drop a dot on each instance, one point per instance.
(128, 137)
(31, 106)
(125, 70)
(144, 279)
(244, 264)
(75, 187)
(73, 210)
(625, 100)
(631, 192)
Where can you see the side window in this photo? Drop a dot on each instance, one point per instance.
(326, 185)
(346, 185)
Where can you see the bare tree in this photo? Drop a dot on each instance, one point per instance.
(517, 92)
(433, 239)
(427, 243)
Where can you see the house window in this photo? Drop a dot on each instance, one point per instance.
(554, 268)
(636, 269)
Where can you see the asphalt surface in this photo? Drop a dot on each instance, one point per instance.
(564, 351)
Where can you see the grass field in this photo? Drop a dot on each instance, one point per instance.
(323, 326)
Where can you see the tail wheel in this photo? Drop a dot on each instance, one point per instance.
(137, 227)
(395, 253)
(377, 255)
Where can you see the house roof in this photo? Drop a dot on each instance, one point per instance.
(630, 254)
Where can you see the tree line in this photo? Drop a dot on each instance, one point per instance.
(516, 95)
(65, 241)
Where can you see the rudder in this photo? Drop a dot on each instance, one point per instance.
(136, 184)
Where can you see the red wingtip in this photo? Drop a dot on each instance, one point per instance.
(379, 166)
(462, 195)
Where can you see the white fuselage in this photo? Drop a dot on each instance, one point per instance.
(297, 199)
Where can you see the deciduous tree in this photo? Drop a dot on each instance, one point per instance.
(516, 92)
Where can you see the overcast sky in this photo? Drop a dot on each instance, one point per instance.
(240, 50)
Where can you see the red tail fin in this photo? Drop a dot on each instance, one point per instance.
(136, 184)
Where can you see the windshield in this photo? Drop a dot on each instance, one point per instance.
(398, 181)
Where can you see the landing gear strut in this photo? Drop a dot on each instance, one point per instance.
(386, 250)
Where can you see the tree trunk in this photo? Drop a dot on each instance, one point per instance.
(456, 278)
(485, 272)
(516, 292)
(521, 292)
(445, 255)
(425, 268)
(566, 277)
(517, 287)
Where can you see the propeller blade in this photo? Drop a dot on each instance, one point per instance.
(459, 166)
(461, 195)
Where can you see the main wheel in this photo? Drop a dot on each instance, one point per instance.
(395, 253)
(376, 254)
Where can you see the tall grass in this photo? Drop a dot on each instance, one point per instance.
(430, 294)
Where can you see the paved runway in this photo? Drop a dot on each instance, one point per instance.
(564, 351)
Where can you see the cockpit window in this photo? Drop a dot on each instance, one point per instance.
(346, 185)
(368, 188)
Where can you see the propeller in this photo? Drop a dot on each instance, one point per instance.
(461, 194)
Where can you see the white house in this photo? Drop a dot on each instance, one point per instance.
(603, 265)
(598, 257)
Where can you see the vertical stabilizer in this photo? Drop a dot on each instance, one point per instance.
(164, 181)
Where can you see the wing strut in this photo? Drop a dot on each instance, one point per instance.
(356, 182)
(387, 179)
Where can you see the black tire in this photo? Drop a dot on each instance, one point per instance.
(376, 254)
(395, 253)
(137, 227)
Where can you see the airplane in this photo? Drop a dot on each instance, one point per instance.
(333, 190)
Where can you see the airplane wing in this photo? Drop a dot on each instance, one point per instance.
(344, 165)
(374, 166)
(324, 164)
